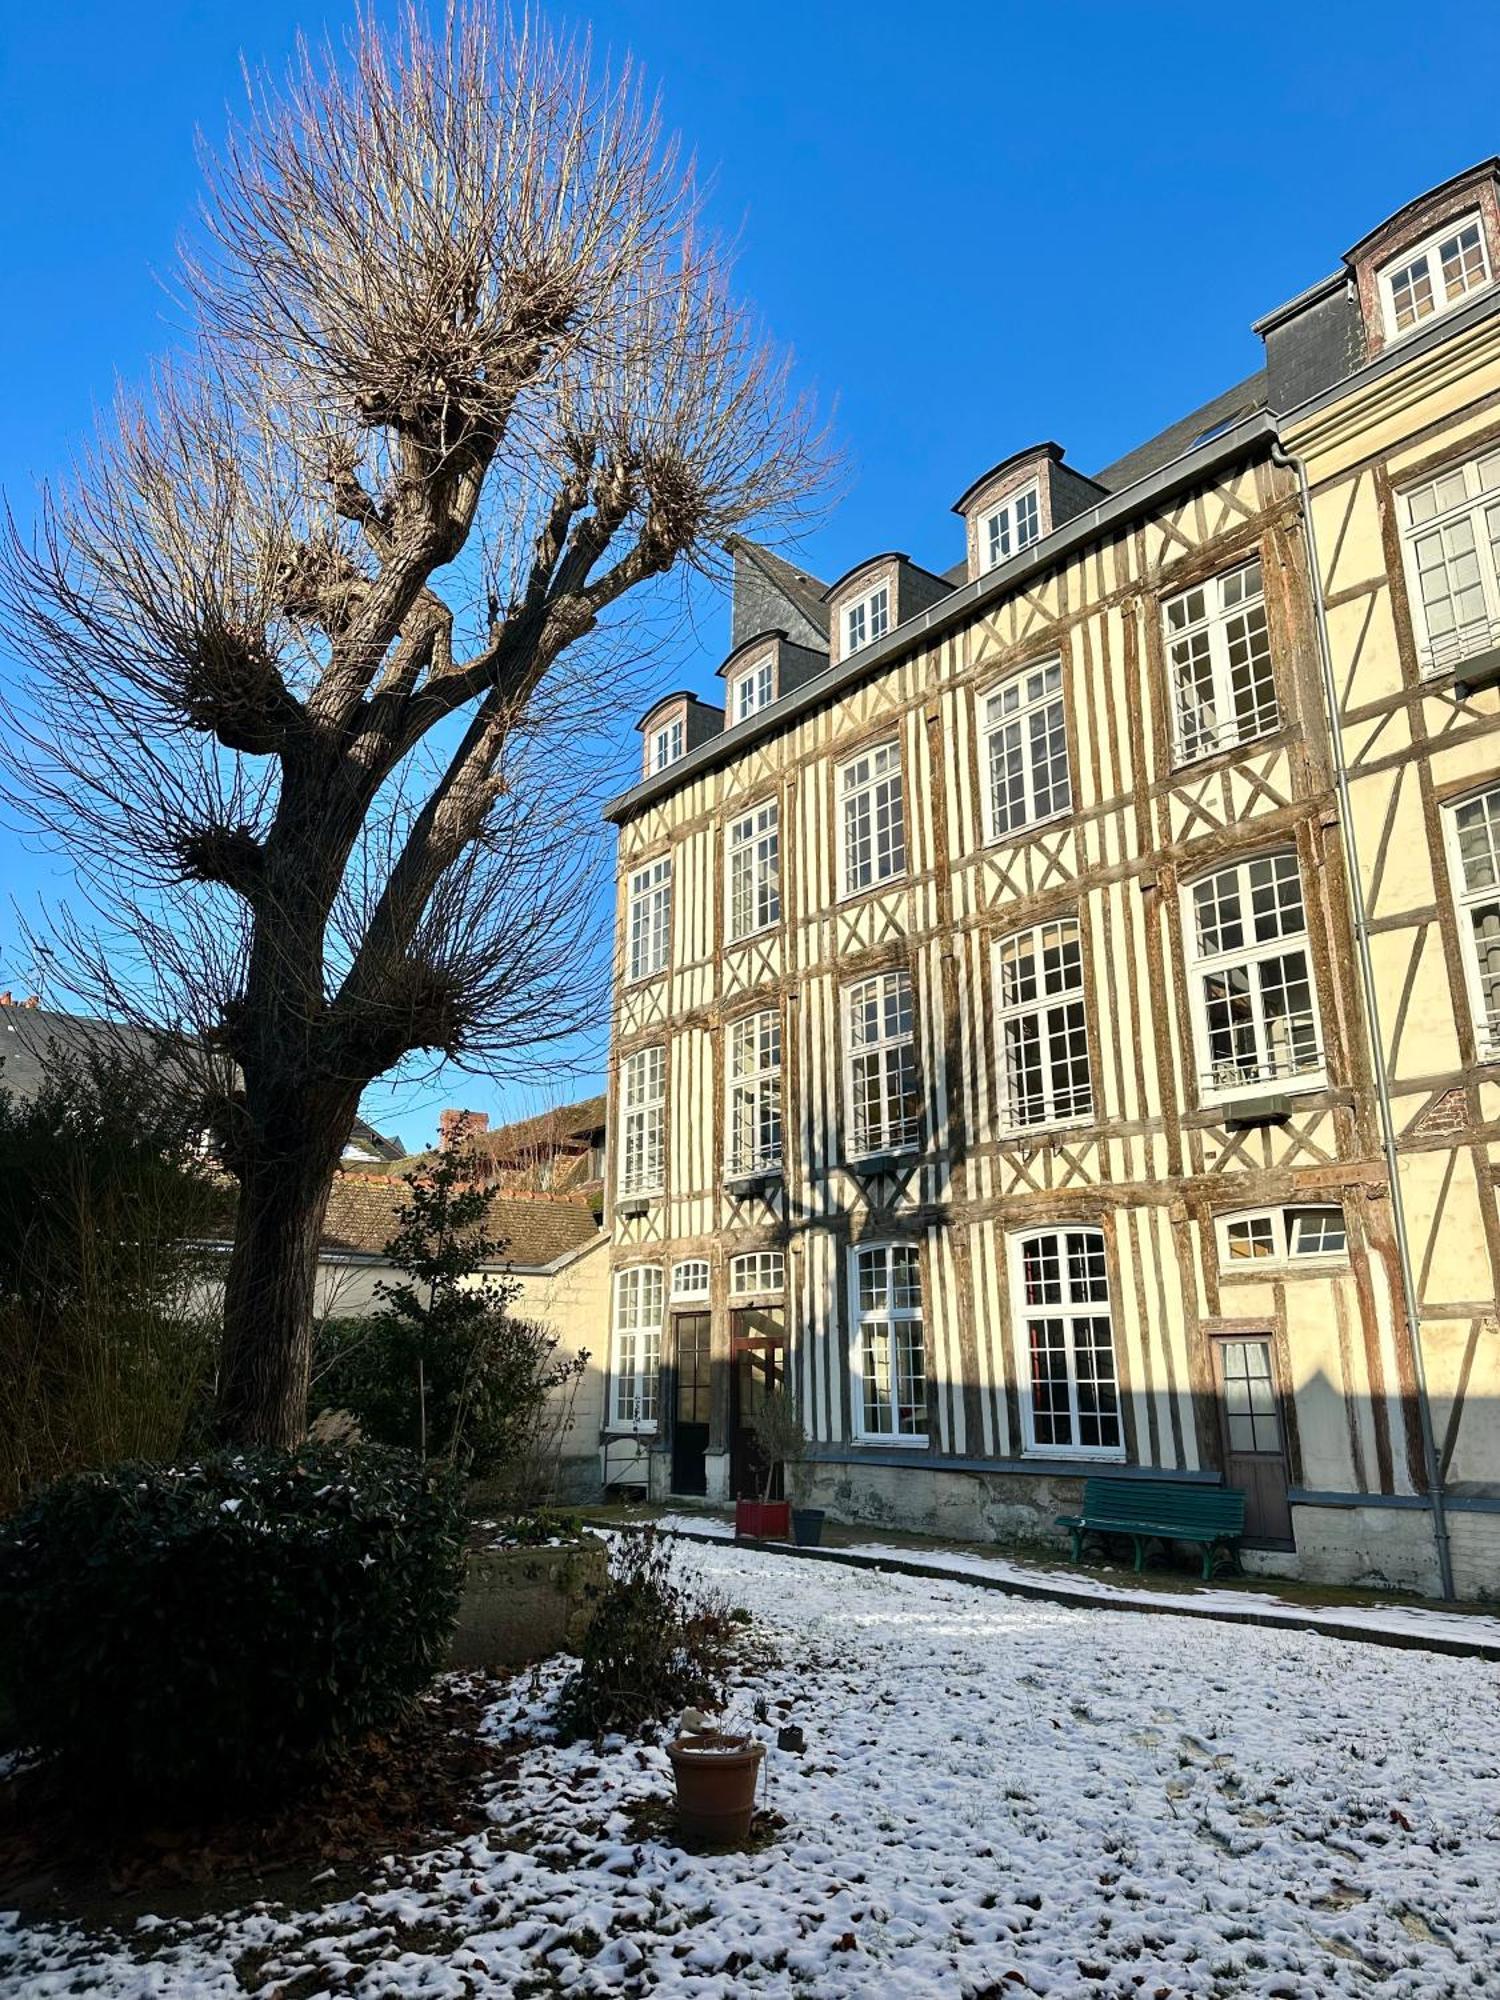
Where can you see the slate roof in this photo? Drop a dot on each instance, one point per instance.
(805, 591)
(30, 1035)
(1156, 452)
(536, 1229)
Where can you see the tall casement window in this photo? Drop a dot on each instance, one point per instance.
(751, 691)
(1473, 831)
(754, 848)
(1043, 1039)
(1255, 1015)
(1451, 535)
(1062, 1312)
(867, 620)
(1219, 662)
(649, 919)
(643, 1093)
(1012, 526)
(1024, 746)
(873, 818)
(638, 1313)
(754, 1127)
(667, 744)
(890, 1368)
(1438, 275)
(885, 1111)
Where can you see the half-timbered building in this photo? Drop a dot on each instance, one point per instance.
(1057, 1011)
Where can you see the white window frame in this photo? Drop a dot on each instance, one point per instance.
(1071, 1310)
(636, 1333)
(1473, 515)
(867, 619)
(751, 689)
(1024, 722)
(690, 1278)
(1281, 1229)
(1223, 634)
(909, 1417)
(668, 743)
(643, 1105)
(889, 1056)
(872, 819)
(752, 864)
(1013, 524)
(758, 1274)
(1267, 1075)
(1429, 252)
(1469, 903)
(648, 921)
(1056, 1011)
(752, 1122)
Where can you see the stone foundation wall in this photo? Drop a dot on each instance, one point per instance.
(521, 1604)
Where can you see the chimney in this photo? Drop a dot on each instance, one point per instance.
(454, 1126)
(5, 999)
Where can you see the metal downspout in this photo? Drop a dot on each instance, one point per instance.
(1281, 456)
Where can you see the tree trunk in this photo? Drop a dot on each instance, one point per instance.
(271, 1285)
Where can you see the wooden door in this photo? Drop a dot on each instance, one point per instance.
(1254, 1435)
(691, 1404)
(757, 1348)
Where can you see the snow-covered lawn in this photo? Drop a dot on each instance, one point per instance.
(997, 1796)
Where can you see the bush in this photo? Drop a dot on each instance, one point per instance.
(654, 1646)
(217, 1629)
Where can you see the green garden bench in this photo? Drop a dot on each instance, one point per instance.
(1158, 1510)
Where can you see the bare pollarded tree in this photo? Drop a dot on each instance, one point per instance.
(465, 373)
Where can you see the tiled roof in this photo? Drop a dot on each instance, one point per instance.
(536, 1229)
(578, 1122)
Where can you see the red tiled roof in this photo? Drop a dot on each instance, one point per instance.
(536, 1229)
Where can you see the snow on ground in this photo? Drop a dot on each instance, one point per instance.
(1410, 1621)
(998, 1796)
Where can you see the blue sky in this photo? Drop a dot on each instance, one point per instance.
(978, 226)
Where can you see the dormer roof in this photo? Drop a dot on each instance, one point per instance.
(1042, 453)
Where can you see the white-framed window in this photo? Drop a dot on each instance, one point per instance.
(873, 818)
(649, 920)
(643, 1094)
(1219, 663)
(754, 1123)
(753, 844)
(890, 1361)
(885, 1106)
(1255, 1015)
(690, 1278)
(667, 744)
(1024, 747)
(751, 690)
(1012, 526)
(867, 619)
(637, 1357)
(1072, 1403)
(1437, 275)
(1472, 827)
(757, 1274)
(1040, 1027)
(1450, 533)
(1275, 1236)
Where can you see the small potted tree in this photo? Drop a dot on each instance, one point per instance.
(780, 1440)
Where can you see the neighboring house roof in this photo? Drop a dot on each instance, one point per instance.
(796, 585)
(30, 1035)
(578, 1124)
(538, 1230)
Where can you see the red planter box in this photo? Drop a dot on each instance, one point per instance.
(763, 1520)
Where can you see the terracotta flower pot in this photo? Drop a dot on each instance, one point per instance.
(763, 1520)
(716, 1778)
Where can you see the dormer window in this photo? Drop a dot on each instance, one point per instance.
(667, 744)
(1434, 277)
(1012, 526)
(867, 620)
(751, 691)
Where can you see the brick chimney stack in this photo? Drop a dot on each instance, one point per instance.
(452, 1123)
